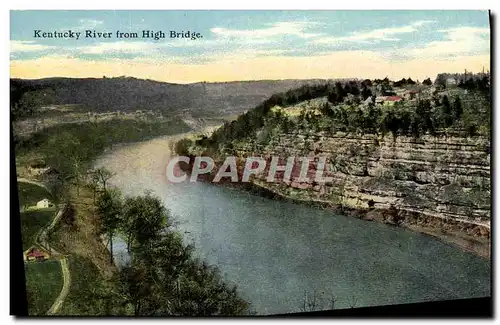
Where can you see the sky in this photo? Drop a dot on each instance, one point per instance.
(251, 45)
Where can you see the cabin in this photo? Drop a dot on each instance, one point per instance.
(36, 254)
(387, 100)
(380, 99)
(390, 100)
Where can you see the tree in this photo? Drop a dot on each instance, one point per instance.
(366, 83)
(165, 279)
(400, 83)
(366, 92)
(371, 117)
(325, 110)
(144, 217)
(422, 121)
(101, 176)
(337, 94)
(65, 153)
(441, 80)
(457, 108)
(109, 206)
(447, 111)
(427, 82)
(182, 147)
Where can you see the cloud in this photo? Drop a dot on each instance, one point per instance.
(117, 47)
(382, 34)
(457, 41)
(231, 45)
(28, 46)
(89, 23)
(277, 29)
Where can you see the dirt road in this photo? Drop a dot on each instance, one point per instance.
(41, 240)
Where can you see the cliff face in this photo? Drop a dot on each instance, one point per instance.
(432, 181)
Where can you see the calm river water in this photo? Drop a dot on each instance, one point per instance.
(276, 252)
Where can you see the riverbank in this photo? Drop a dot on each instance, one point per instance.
(473, 238)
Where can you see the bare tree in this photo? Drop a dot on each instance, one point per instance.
(309, 303)
(319, 301)
(102, 176)
(333, 300)
(352, 301)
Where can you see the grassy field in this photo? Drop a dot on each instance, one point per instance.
(43, 283)
(32, 221)
(30, 194)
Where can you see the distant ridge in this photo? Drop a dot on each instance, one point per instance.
(131, 94)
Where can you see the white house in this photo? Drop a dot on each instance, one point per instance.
(369, 101)
(451, 82)
(45, 203)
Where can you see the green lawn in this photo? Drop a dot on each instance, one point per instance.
(30, 194)
(31, 223)
(33, 220)
(43, 284)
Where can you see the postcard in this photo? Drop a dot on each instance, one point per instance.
(247, 163)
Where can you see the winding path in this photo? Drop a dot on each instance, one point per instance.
(65, 289)
(30, 181)
(41, 239)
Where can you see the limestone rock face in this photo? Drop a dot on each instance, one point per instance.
(445, 177)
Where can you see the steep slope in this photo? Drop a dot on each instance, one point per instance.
(446, 177)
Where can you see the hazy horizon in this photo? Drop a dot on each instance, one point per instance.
(231, 81)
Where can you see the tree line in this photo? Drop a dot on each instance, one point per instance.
(429, 115)
(70, 148)
(399, 119)
(247, 123)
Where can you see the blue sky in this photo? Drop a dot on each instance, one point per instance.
(394, 36)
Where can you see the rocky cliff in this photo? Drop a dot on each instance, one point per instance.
(438, 183)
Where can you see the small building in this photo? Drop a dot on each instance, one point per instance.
(387, 100)
(368, 101)
(451, 82)
(45, 203)
(36, 254)
(390, 100)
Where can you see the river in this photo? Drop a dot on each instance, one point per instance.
(276, 252)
